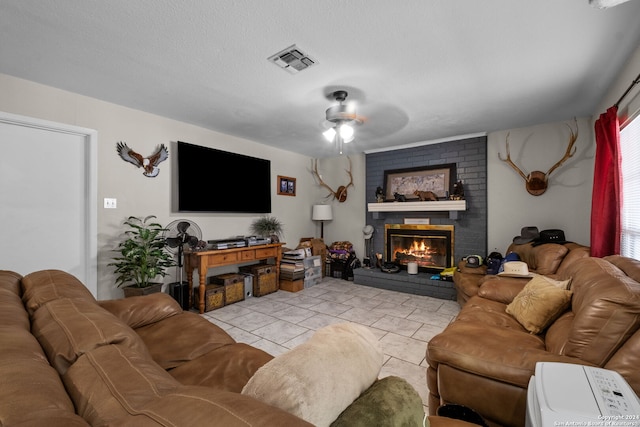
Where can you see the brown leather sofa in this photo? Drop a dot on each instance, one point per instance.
(66, 360)
(544, 259)
(485, 357)
(69, 360)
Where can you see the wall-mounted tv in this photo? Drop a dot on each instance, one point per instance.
(211, 180)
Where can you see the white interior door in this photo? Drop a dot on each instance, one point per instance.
(48, 185)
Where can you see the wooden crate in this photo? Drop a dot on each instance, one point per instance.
(291, 285)
(233, 286)
(213, 297)
(264, 278)
(234, 292)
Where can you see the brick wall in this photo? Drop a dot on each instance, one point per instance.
(470, 157)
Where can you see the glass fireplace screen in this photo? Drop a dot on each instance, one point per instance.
(430, 246)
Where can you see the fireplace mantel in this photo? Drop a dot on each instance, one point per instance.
(452, 206)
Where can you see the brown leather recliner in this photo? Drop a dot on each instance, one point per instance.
(544, 259)
(485, 357)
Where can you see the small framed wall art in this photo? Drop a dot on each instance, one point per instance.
(286, 186)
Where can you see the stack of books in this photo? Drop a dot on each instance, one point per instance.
(292, 265)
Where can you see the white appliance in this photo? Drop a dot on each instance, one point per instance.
(563, 394)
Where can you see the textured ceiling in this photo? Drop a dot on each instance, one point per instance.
(417, 70)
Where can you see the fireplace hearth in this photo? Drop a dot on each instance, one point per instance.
(430, 246)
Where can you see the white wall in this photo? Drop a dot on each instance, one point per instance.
(139, 195)
(349, 216)
(567, 202)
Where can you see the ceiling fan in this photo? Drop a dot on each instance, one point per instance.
(605, 4)
(342, 118)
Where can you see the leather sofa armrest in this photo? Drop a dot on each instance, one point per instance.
(143, 310)
(501, 289)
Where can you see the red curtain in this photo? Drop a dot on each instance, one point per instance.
(606, 200)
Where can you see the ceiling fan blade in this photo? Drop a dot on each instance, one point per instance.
(360, 119)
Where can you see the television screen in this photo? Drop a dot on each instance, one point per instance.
(211, 180)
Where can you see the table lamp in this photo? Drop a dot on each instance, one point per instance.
(322, 213)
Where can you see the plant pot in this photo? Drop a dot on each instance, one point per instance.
(133, 291)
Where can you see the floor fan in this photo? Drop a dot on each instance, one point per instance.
(178, 234)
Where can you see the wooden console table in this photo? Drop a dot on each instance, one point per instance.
(204, 260)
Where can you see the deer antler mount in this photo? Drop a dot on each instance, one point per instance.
(341, 193)
(536, 182)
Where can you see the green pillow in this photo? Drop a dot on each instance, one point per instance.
(391, 401)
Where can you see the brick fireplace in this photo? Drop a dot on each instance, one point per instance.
(469, 227)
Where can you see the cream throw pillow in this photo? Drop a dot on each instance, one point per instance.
(539, 303)
(320, 378)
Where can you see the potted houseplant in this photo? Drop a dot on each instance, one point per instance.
(142, 257)
(267, 226)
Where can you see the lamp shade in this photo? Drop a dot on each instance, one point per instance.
(322, 213)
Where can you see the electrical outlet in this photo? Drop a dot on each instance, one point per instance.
(110, 203)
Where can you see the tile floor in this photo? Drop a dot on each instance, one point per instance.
(403, 323)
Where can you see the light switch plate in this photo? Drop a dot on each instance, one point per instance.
(110, 203)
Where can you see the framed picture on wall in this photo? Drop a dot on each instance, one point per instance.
(438, 179)
(286, 186)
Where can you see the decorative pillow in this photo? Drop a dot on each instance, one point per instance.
(562, 284)
(539, 304)
(391, 401)
(320, 378)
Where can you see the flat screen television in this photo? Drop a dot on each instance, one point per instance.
(211, 180)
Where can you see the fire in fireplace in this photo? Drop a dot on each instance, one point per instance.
(430, 246)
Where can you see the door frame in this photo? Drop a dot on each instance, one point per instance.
(91, 188)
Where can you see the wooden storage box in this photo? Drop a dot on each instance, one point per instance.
(292, 285)
(264, 278)
(213, 297)
(233, 286)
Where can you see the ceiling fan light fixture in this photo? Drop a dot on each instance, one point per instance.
(343, 117)
(329, 134)
(340, 112)
(346, 132)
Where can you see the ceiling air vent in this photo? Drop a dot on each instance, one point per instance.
(292, 60)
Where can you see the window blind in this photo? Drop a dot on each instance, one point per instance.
(630, 149)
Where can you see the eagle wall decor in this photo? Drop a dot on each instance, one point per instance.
(150, 164)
